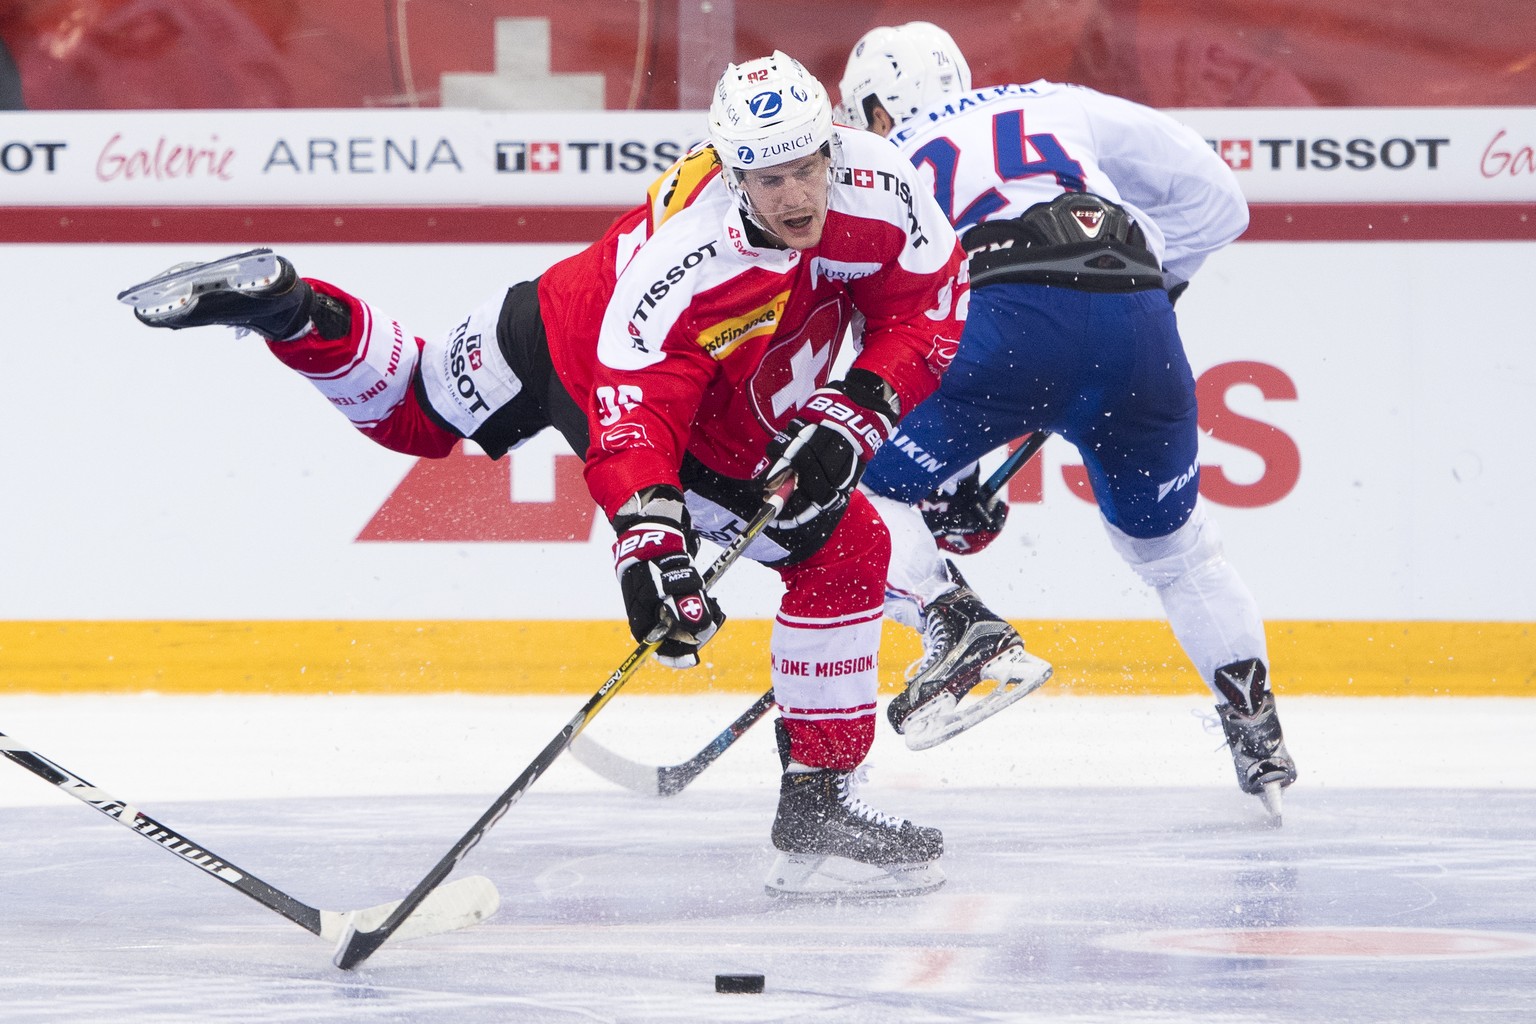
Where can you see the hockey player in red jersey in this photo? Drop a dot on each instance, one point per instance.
(688, 354)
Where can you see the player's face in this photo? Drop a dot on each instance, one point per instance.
(791, 199)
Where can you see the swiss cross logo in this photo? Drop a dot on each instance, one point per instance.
(863, 178)
(806, 364)
(691, 608)
(543, 156)
(1238, 153)
(520, 157)
(796, 362)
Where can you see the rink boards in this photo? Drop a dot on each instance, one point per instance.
(1091, 658)
(192, 516)
(184, 514)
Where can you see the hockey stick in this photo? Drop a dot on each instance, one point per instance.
(360, 943)
(666, 780)
(457, 906)
(1013, 463)
(669, 780)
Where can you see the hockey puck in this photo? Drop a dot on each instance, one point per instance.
(748, 983)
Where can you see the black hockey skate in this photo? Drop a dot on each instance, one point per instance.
(965, 644)
(833, 844)
(1252, 727)
(251, 291)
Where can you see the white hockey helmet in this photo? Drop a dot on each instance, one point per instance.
(904, 67)
(768, 111)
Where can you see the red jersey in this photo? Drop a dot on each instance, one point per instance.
(709, 344)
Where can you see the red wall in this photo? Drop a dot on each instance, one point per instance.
(146, 54)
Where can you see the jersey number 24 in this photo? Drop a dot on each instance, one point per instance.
(1010, 147)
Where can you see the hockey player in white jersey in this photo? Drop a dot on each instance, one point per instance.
(1083, 215)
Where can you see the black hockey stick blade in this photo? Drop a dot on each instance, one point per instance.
(666, 780)
(358, 944)
(1013, 463)
(468, 901)
(672, 779)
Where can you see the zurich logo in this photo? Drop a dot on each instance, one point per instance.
(766, 104)
(745, 154)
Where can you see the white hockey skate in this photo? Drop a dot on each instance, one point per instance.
(966, 646)
(255, 291)
(832, 845)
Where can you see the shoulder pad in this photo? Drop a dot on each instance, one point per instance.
(675, 189)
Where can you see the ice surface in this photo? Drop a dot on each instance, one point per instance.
(1102, 867)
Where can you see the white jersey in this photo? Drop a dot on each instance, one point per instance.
(993, 153)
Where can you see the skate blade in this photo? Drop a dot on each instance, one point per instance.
(176, 287)
(1017, 674)
(1270, 796)
(800, 876)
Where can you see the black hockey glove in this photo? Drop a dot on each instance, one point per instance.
(837, 431)
(663, 592)
(965, 520)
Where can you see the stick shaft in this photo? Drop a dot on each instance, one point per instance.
(672, 779)
(1015, 462)
(163, 835)
(357, 946)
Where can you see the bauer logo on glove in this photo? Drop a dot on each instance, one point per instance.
(866, 427)
(659, 541)
(829, 442)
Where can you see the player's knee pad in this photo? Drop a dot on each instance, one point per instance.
(847, 573)
(859, 547)
(1163, 561)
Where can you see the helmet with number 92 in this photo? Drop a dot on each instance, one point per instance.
(771, 126)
